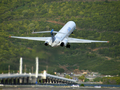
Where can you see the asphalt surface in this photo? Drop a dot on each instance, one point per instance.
(56, 88)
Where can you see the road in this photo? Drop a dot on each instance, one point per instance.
(56, 88)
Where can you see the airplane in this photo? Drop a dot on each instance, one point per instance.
(61, 38)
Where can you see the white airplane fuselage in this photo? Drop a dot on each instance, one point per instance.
(61, 38)
(63, 34)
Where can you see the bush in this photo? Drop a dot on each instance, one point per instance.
(82, 85)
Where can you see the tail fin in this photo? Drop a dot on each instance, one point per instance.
(52, 35)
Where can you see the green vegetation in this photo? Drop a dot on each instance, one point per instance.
(108, 80)
(98, 79)
(67, 76)
(111, 80)
(81, 77)
(82, 85)
(94, 20)
(86, 80)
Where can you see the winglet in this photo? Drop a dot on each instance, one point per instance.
(9, 36)
(107, 41)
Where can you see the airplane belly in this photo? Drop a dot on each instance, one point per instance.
(50, 42)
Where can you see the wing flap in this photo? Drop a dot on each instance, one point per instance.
(32, 38)
(75, 40)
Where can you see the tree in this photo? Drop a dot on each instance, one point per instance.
(82, 78)
(31, 27)
(67, 76)
(25, 13)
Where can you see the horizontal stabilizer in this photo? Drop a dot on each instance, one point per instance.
(46, 32)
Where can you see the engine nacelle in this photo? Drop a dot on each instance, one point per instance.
(47, 42)
(63, 43)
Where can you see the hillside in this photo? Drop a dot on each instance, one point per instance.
(98, 20)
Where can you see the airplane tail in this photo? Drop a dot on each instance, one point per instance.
(52, 35)
(51, 32)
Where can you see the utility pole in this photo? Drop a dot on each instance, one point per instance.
(25, 68)
(20, 68)
(47, 68)
(32, 69)
(37, 65)
(9, 69)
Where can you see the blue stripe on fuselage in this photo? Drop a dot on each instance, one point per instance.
(69, 29)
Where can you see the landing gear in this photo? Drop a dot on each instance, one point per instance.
(68, 46)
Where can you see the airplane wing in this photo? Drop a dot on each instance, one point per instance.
(32, 38)
(75, 40)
